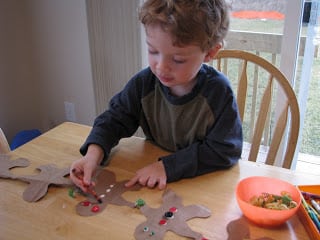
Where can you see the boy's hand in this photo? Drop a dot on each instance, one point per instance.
(81, 172)
(150, 176)
(83, 169)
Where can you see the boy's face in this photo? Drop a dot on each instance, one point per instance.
(175, 67)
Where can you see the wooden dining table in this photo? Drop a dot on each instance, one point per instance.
(54, 216)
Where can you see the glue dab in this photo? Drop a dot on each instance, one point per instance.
(95, 208)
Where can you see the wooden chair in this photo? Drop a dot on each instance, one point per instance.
(267, 125)
(4, 145)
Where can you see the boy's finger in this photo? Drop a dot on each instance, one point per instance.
(87, 175)
(131, 182)
(162, 184)
(151, 182)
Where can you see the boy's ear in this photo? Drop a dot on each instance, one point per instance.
(212, 52)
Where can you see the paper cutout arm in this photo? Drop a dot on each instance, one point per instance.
(6, 164)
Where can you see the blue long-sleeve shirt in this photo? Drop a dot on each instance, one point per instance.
(202, 129)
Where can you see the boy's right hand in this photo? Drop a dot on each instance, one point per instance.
(150, 176)
(82, 170)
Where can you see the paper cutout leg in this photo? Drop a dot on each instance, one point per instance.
(159, 220)
(109, 192)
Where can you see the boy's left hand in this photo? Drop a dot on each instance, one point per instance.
(150, 176)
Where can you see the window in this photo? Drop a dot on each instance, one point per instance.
(275, 29)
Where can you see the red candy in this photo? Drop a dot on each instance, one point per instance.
(86, 203)
(173, 209)
(163, 222)
(95, 208)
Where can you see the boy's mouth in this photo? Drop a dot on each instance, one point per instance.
(165, 79)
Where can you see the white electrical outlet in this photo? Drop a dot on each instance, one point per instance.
(70, 111)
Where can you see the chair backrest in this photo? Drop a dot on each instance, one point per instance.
(266, 123)
(4, 145)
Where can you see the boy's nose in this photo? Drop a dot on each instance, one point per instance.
(163, 65)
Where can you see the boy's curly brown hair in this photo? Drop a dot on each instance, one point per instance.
(200, 22)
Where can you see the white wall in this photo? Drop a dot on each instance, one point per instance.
(19, 98)
(44, 61)
(62, 57)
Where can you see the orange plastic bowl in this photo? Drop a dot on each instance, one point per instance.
(254, 186)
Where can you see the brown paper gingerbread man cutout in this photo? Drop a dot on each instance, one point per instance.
(109, 191)
(171, 216)
(38, 184)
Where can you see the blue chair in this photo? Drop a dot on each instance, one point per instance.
(23, 137)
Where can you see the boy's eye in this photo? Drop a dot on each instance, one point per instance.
(152, 51)
(179, 61)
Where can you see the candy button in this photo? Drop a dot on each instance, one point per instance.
(95, 208)
(163, 222)
(168, 215)
(71, 193)
(86, 203)
(139, 203)
(173, 209)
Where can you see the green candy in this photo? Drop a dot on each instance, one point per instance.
(140, 203)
